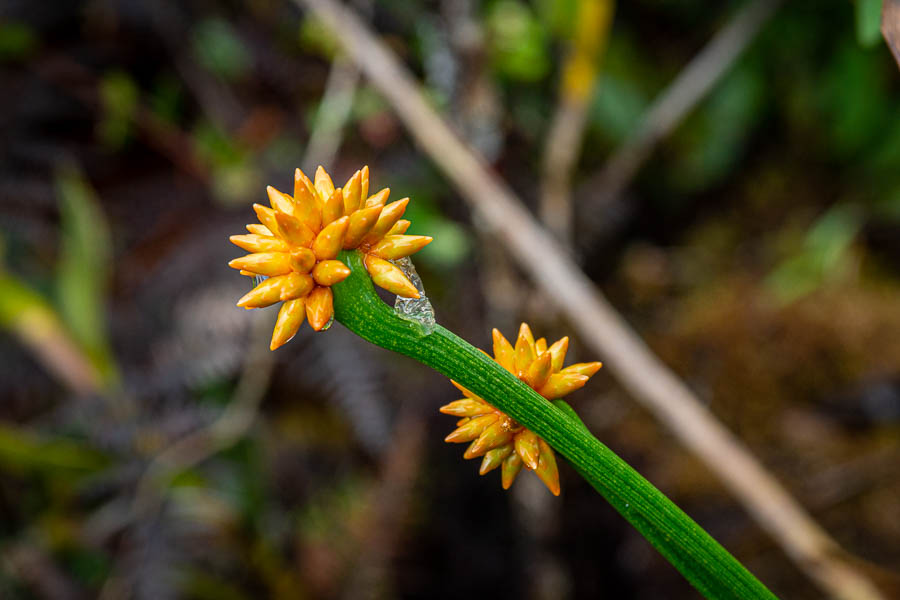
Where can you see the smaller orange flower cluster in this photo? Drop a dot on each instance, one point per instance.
(298, 239)
(497, 437)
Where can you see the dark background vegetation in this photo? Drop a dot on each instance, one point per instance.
(758, 252)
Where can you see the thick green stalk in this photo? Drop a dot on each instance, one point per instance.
(702, 560)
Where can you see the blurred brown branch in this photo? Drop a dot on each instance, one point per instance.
(579, 75)
(601, 327)
(694, 82)
(890, 26)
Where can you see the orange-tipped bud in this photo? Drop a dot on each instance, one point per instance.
(265, 294)
(319, 307)
(465, 392)
(333, 207)
(588, 368)
(280, 201)
(351, 194)
(378, 199)
(398, 246)
(323, 184)
(561, 384)
(307, 206)
(466, 408)
(330, 272)
(558, 351)
(361, 223)
(540, 346)
(304, 190)
(526, 443)
(294, 231)
(524, 353)
(247, 273)
(493, 436)
(546, 469)
(386, 220)
(539, 371)
(390, 277)
(364, 182)
(295, 285)
(504, 352)
(263, 263)
(511, 467)
(472, 429)
(266, 216)
(252, 242)
(493, 459)
(302, 259)
(290, 318)
(259, 229)
(328, 243)
(399, 227)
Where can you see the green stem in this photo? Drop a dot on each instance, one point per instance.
(702, 560)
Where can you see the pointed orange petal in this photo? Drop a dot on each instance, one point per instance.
(558, 351)
(280, 201)
(295, 285)
(247, 273)
(259, 229)
(328, 243)
(525, 331)
(364, 182)
(290, 318)
(361, 223)
(561, 384)
(398, 246)
(333, 207)
(387, 220)
(493, 458)
(330, 272)
(294, 231)
(390, 277)
(503, 352)
(526, 443)
(472, 429)
(307, 206)
(266, 293)
(511, 467)
(539, 371)
(588, 368)
(399, 227)
(540, 346)
(465, 392)
(467, 407)
(252, 242)
(378, 199)
(263, 263)
(524, 350)
(319, 307)
(302, 259)
(494, 436)
(547, 470)
(324, 186)
(351, 194)
(266, 216)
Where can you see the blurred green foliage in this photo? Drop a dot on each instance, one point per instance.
(84, 269)
(518, 41)
(17, 41)
(220, 50)
(120, 97)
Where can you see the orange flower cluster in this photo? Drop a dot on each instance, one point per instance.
(298, 239)
(498, 438)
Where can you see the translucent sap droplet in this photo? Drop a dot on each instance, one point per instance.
(327, 325)
(414, 309)
(258, 279)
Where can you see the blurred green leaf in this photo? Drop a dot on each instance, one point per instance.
(235, 179)
(165, 99)
(868, 22)
(219, 49)
(822, 257)
(518, 41)
(22, 451)
(618, 107)
(119, 95)
(317, 38)
(17, 41)
(84, 269)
